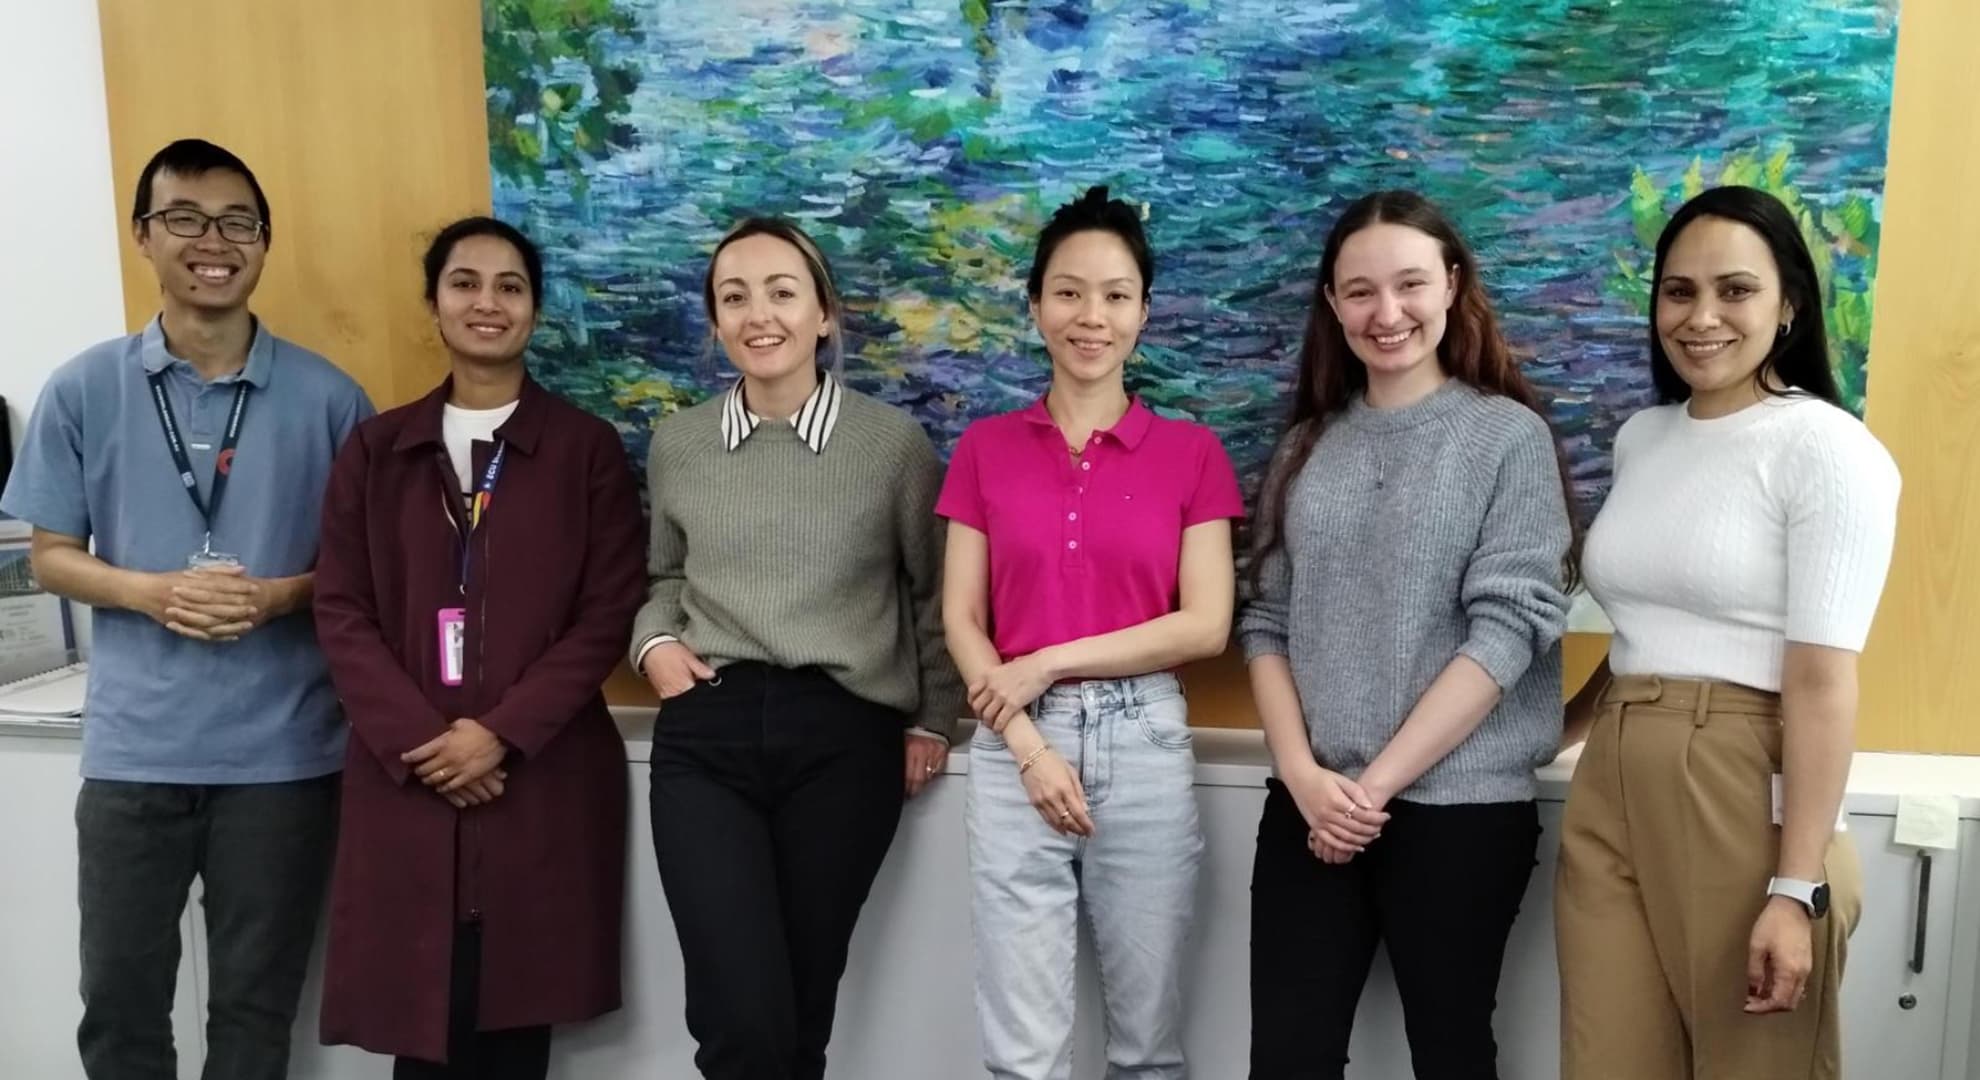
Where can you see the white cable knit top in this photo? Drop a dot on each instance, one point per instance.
(1724, 539)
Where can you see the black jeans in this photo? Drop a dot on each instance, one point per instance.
(775, 797)
(508, 1054)
(1440, 890)
(262, 852)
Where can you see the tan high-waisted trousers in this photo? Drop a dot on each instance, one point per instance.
(1666, 849)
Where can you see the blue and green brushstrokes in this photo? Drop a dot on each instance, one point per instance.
(924, 141)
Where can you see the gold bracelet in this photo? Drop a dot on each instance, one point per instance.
(1032, 759)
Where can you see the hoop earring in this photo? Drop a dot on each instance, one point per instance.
(1786, 328)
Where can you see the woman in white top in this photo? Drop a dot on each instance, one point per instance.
(1705, 893)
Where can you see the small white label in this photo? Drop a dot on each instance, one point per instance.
(1842, 813)
(1928, 821)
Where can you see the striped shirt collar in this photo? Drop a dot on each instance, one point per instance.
(814, 421)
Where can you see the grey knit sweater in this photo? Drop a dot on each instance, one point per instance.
(1414, 535)
(774, 553)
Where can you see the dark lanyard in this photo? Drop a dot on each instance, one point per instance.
(484, 496)
(223, 464)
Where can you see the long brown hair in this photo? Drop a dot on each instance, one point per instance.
(1330, 375)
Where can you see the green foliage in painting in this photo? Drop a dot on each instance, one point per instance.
(1842, 239)
(555, 99)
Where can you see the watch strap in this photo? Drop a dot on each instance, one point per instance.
(1794, 889)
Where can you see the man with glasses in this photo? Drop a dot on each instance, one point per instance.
(173, 478)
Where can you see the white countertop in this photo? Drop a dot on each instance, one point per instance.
(1237, 758)
(1233, 757)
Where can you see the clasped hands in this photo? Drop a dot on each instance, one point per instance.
(220, 603)
(1051, 783)
(1342, 816)
(462, 765)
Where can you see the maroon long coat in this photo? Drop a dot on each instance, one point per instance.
(556, 574)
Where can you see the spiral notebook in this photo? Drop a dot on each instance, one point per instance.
(50, 695)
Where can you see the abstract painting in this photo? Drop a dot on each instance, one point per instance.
(923, 143)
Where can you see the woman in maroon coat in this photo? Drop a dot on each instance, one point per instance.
(481, 561)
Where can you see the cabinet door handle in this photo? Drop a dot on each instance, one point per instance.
(1924, 908)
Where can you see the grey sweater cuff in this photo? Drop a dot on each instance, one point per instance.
(1503, 652)
(931, 727)
(1257, 643)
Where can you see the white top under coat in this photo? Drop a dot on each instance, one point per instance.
(461, 428)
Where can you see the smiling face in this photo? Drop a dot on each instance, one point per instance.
(1092, 307)
(1719, 307)
(207, 273)
(1392, 293)
(482, 303)
(768, 315)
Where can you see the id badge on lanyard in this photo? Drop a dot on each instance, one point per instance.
(450, 623)
(453, 645)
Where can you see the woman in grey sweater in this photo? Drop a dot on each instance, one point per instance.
(1403, 639)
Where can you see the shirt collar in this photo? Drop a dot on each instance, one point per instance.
(1129, 430)
(260, 359)
(814, 421)
(522, 430)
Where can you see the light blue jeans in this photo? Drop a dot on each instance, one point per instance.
(1135, 878)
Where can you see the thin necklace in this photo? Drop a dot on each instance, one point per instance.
(1073, 448)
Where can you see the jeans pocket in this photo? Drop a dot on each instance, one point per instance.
(1165, 722)
(988, 741)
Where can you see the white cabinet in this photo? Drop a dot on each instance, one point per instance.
(1896, 1020)
(906, 1008)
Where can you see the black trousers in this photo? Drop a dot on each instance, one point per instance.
(1440, 890)
(263, 853)
(775, 797)
(508, 1054)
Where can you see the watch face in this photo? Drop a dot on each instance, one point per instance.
(1820, 901)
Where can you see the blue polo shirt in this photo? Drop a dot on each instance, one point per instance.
(95, 463)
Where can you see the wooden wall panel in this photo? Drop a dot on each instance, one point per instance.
(364, 121)
(1921, 672)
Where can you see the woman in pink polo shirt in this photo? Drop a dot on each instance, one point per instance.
(1089, 552)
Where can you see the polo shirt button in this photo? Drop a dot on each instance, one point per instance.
(1072, 517)
(1086, 465)
(1072, 545)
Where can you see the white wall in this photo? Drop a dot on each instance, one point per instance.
(60, 289)
(59, 284)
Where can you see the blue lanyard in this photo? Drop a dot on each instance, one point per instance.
(484, 497)
(223, 463)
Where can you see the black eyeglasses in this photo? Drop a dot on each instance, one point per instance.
(191, 224)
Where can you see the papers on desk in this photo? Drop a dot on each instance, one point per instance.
(40, 676)
(51, 695)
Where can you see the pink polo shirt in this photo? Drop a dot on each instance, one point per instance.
(1091, 546)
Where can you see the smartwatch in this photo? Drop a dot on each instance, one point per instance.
(1813, 895)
